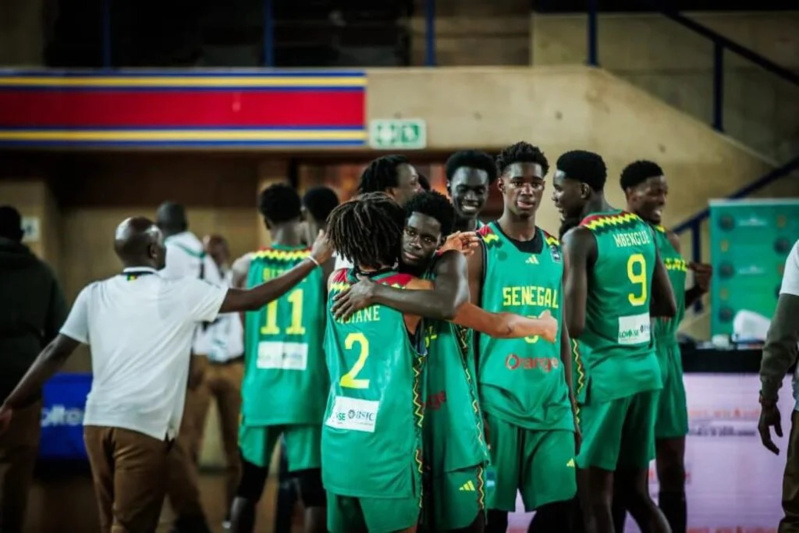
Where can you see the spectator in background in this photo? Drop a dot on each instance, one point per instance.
(224, 373)
(32, 310)
(779, 354)
(186, 257)
(317, 204)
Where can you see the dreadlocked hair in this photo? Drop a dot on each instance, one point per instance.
(367, 231)
(521, 152)
(381, 174)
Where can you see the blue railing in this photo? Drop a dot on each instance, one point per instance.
(720, 44)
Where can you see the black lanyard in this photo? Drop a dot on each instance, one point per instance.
(135, 274)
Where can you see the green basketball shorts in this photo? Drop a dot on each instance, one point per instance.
(672, 412)
(456, 498)
(538, 463)
(303, 445)
(619, 432)
(376, 515)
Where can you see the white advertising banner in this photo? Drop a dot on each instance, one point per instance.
(733, 484)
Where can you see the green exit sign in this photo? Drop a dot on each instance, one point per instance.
(404, 134)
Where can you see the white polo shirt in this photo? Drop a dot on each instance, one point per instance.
(186, 257)
(140, 332)
(226, 335)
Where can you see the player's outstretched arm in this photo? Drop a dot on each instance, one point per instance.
(259, 296)
(579, 246)
(662, 303)
(448, 292)
(506, 325)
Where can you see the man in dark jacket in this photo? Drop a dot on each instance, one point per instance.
(32, 309)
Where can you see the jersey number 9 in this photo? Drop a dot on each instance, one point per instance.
(636, 272)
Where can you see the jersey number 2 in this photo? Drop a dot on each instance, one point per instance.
(296, 327)
(348, 380)
(636, 272)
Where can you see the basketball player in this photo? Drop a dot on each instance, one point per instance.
(645, 188)
(390, 174)
(370, 499)
(285, 376)
(454, 445)
(525, 384)
(614, 281)
(470, 174)
(317, 203)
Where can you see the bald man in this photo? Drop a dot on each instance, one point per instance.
(140, 326)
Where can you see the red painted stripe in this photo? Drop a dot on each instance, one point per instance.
(175, 109)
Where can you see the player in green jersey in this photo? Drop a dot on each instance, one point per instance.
(470, 174)
(454, 446)
(285, 375)
(646, 190)
(614, 282)
(371, 437)
(380, 506)
(524, 384)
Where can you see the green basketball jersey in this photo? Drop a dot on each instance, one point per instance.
(666, 328)
(285, 378)
(453, 423)
(371, 438)
(523, 380)
(622, 359)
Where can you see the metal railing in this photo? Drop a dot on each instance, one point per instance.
(694, 223)
(720, 45)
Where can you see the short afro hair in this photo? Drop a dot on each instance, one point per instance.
(471, 159)
(320, 201)
(424, 183)
(521, 152)
(435, 205)
(638, 172)
(367, 230)
(584, 166)
(381, 174)
(279, 203)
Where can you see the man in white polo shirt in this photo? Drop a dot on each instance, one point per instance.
(140, 328)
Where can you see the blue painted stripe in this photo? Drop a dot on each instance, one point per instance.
(35, 144)
(219, 128)
(13, 73)
(182, 88)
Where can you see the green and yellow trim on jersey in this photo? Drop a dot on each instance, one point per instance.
(609, 221)
(277, 254)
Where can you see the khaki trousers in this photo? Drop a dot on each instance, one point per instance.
(221, 382)
(127, 470)
(18, 448)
